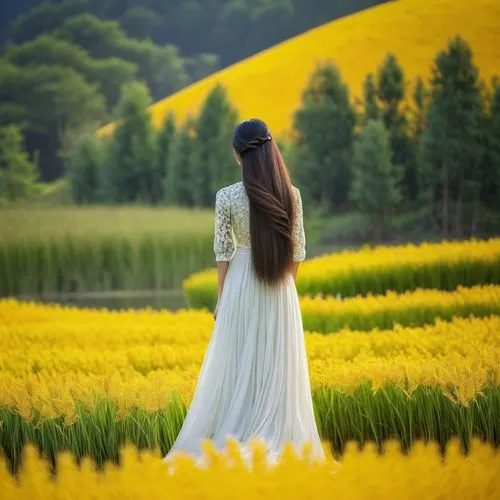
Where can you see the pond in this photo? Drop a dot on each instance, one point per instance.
(116, 300)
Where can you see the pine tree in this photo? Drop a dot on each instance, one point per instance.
(490, 183)
(371, 108)
(452, 147)
(86, 165)
(375, 186)
(166, 138)
(494, 139)
(420, 102)
(213, 160)
(18, 174)
(391, 92)
(324, 127)
(131, 171)
(179, 178)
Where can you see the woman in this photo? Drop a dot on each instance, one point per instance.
(254, 380)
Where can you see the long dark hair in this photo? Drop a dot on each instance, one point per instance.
(270, 194)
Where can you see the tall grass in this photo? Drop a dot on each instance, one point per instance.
(366, 415)
(96, 433)
(55, 249)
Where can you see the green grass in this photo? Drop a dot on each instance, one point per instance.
(35, 223)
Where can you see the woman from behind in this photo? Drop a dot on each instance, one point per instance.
(254, 380)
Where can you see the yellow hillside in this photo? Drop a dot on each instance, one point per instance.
(269, 85)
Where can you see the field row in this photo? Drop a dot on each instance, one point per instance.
(140, 358)
(442, 266)
(411, 308)
(365, 416)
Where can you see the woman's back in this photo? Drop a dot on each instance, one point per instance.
(232, 222)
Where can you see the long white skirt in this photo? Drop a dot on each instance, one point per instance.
(254, 380)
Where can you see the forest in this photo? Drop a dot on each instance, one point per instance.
(63, 63)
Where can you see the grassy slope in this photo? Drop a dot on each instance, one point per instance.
(269, 84)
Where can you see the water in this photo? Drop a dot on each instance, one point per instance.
(156, 299)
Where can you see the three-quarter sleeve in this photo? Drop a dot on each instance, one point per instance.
(299, 237)
(223, 239)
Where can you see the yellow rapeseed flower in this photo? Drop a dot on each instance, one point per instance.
(225, 475)
(53, 357)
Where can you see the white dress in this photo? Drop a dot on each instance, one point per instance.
(254, 380)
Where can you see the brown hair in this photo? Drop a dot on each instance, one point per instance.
(270, 194)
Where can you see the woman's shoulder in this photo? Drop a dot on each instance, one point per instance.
(230, 189)
(228, 194)
(238, 187)
(296, 192)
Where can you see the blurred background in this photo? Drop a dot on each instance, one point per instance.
(116, 118)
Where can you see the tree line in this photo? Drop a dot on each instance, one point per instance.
(181, 165)
(434, 153)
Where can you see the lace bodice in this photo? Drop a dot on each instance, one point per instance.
(232, 223)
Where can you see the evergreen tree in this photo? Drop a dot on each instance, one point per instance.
(391, 92)
(452, 146)
(325, 132)
(419, 100)
(179, 178)
(166, 137)
(86, 165)
(213, 164)
(133, 164)
(375, 186)
(371, 111)
(490, 184)
(17, 173)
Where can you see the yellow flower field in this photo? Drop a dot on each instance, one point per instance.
(417, 307)
(383, 258)
(51, 357)
(414, 30)
(360, 475)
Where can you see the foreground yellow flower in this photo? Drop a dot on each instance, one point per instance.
(359, 475)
